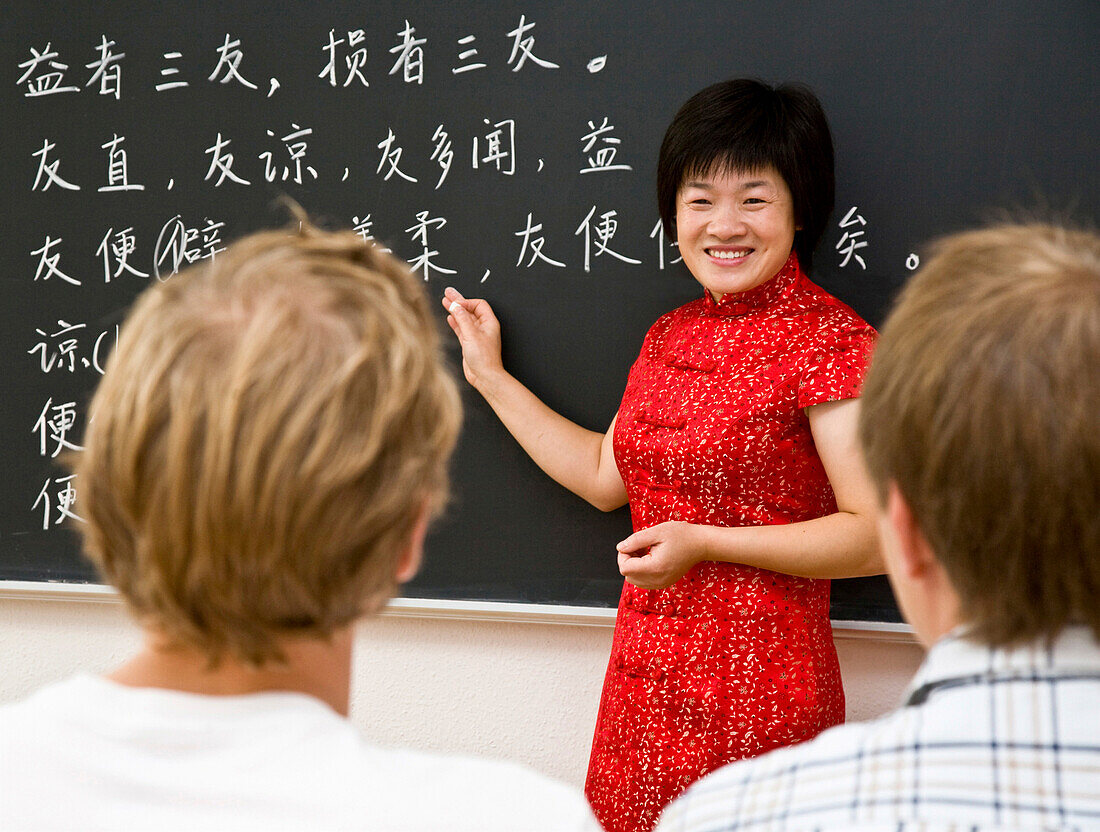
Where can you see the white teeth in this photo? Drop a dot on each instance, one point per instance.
(728, 255)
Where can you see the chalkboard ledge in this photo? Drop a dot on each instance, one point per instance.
(450, 609)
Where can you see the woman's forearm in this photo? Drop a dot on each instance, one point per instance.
(577, 458)
(580, 459)
(840, 545)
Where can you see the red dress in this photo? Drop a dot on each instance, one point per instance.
(732, 660)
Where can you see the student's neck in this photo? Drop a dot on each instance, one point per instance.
(318, 668)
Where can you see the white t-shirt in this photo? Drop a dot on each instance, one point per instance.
(88, 753)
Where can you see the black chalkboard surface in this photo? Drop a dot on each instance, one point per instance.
(507, 149)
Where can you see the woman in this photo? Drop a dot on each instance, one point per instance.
(735, 447)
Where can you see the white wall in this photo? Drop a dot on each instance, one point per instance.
(524, 691)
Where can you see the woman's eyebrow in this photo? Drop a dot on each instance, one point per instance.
(744, 186)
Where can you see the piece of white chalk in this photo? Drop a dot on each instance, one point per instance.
(454, 306)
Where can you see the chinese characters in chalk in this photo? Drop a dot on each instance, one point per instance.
(347, 56)
(851, 241)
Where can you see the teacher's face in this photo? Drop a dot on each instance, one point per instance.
(735, 230)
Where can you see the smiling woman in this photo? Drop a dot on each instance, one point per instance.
(735, 447)
(735, 230)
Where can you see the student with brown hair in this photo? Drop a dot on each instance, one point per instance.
(265, 451)
(980, 428)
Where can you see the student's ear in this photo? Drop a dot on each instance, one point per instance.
(914, 558)
(409, 562)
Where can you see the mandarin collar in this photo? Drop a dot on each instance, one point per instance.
(735, 304)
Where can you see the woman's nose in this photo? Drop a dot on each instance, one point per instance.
(725, 223)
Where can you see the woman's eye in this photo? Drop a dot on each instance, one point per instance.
(754, 200)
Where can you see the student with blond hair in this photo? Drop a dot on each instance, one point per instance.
(981, 430)
(265, 452)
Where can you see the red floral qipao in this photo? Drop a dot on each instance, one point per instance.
(732, 660)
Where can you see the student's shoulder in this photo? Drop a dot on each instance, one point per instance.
(24, 717)
(780, 777)
(476, 793)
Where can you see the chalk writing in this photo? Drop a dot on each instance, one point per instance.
(171, 72)
(658, 233)
(119, 250)
(423, 261)
(49, 169)
(229, 61)
(296, 146)
(117, 174)
(499, 147)
(48, 261)
(178, 245)
(107, 69)
(64, 496)
(604, 230)
(851, 241)
(230, 157)
(443, 154)
(60, 350)
(410, 56)
(363, 228)
(222, 163)
(391, 155)
(522, 47)
(467, 56)
(603, 159)
(353, 62)
(536, 244)
(53, 426)
(44, 75)
(596, 64)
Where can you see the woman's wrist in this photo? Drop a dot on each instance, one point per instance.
(716, 543)
(493, 385)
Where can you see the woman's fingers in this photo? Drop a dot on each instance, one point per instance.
(642, 539)
(478, 308)
(659, 556)
(478, 334)
(451, 299)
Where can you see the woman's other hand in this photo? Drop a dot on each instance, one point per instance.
(478, 332)
(659, 556)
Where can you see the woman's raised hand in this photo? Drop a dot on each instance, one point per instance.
(478, 332)
(581, 460)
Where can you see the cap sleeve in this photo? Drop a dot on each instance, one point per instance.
(836, 365)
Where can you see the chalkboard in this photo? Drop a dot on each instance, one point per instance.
(507, 149)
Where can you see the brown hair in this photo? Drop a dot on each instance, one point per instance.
(268, 429)
(982, 404)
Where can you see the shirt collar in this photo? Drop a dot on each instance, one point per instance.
(956, 660)
(735, 304)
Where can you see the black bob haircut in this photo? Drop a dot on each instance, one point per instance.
(744, 125)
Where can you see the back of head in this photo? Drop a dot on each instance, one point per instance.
(982, 405)
(745, 125)
(268, 430)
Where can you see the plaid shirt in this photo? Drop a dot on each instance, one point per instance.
(986, 739)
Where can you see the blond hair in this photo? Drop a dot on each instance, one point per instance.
(983, 405)
(268, 430)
